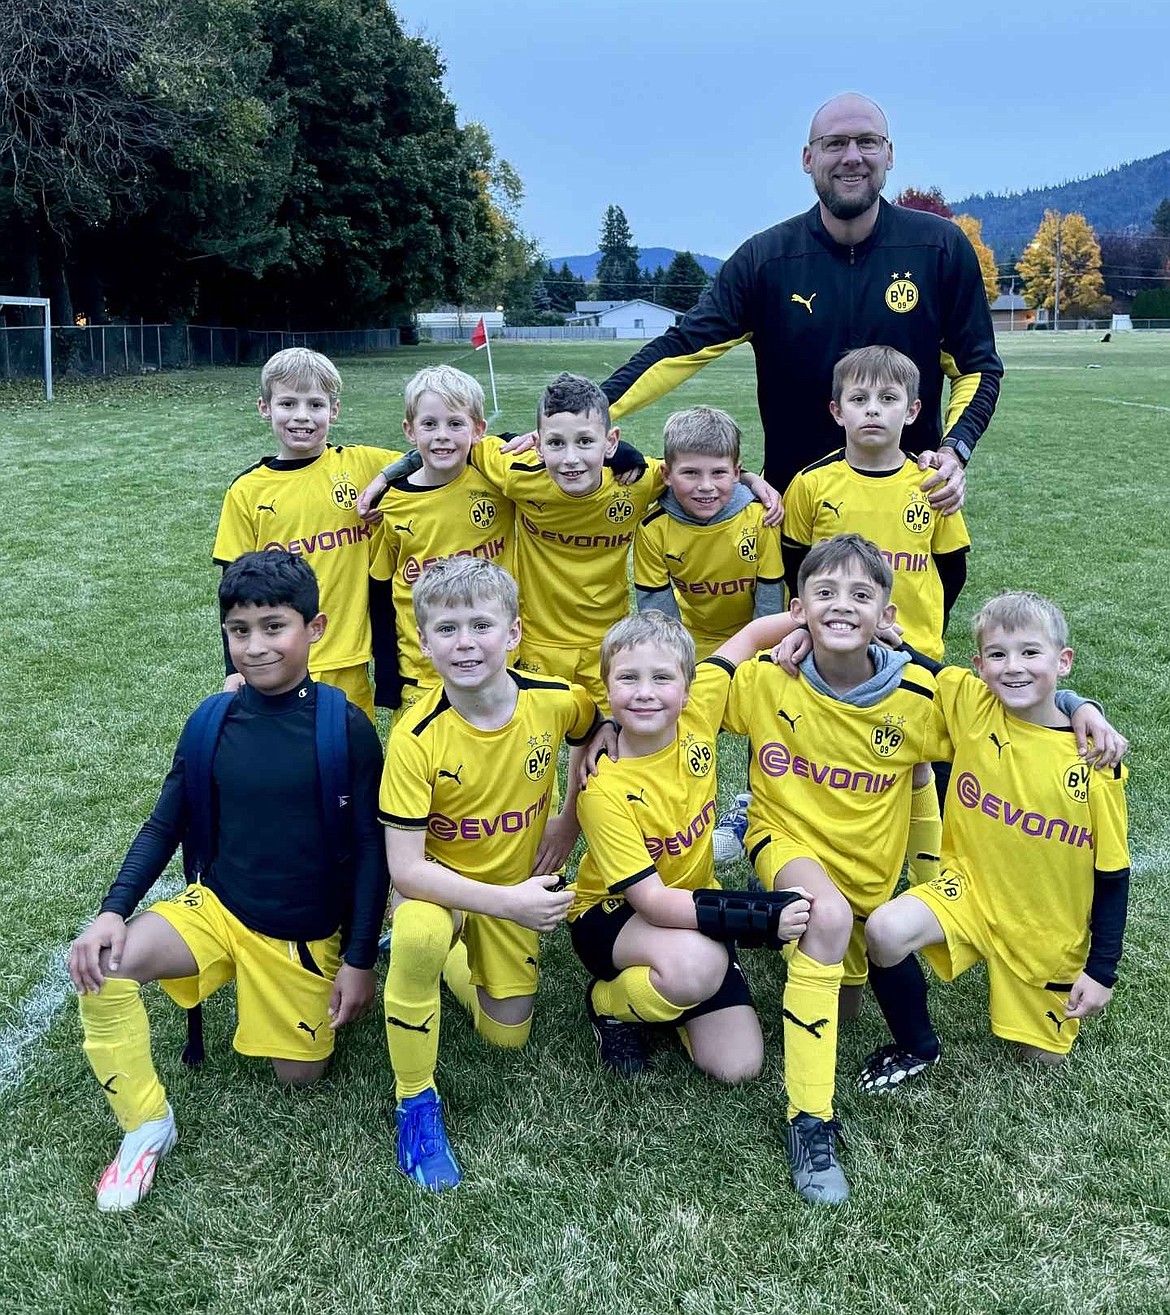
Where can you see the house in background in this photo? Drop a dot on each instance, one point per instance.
(1009, 312)
(630, 319)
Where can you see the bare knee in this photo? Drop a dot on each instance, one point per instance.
(693, 971)
(885, 941)
(299, 1072)
(1046, 1058)
(830, 924)
(734, 1069)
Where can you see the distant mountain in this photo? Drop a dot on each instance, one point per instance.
(1120, 200)
(649, 259)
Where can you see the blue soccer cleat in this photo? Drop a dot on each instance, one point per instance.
(424, 1153)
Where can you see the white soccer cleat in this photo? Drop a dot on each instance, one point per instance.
(727, 838)
(130, 1175)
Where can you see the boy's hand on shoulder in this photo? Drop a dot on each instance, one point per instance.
(106, 931)
(560, 835)
(353, 993)
(792, 650)
(537, 904)
(768, 497)
(370, 496)
(519, 443)
(1087, 997)
(1098, 743)
(891, 635)
(604, 742)
(234, 683)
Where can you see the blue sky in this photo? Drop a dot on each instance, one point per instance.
(690, 115)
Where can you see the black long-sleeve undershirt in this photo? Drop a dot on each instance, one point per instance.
(274, 861)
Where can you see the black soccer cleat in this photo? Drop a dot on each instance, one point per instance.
(621, 1046)
(890, 1067)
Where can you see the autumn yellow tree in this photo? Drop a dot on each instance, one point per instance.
(973, 228)
(1067, 242)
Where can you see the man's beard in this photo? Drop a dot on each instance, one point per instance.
(848, 207)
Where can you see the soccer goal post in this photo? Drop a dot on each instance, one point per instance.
(43, 303)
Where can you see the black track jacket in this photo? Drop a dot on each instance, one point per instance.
(802, 300)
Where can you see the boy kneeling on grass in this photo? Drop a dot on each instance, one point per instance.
(287, 884)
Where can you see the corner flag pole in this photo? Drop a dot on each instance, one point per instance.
(479, 338)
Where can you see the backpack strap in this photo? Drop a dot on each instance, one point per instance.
(202, 735)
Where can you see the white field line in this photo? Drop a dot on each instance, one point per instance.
(1146, 406)
(35, 1014)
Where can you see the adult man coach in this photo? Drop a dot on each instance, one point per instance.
(851, 272)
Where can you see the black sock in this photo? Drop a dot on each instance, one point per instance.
(901, 995)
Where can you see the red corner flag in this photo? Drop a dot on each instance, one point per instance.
(479, 335)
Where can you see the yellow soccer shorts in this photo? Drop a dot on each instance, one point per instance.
(282, 987)
(580, 665)
(354, 683)
(504, 957)
(771, 852)
(1020, 1011)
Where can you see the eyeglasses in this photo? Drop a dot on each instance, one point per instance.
(869, 143)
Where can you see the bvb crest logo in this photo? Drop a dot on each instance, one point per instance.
(949, 885)
(344, 493)
(746, 547)
(887, 737)
(482, 513)
(538, 756)
(917, 513)
(1075, 780)
(700, 756)
(901, 295)
(191, 898)
(619, 510)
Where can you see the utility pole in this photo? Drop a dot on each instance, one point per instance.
(1056, 289)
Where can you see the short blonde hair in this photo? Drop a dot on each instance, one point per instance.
(300, 368)
(873, 367)
(702, 431)
(832, 554)
(460, 391)
(649, 627)
(1018, 610)
(463, 582)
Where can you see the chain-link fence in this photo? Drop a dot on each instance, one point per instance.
(140, 348)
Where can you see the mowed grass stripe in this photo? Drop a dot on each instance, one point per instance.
(996, 1189)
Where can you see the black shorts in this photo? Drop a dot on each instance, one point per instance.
(594, 933)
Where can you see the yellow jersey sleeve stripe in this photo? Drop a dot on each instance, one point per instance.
(963, 389)
(668, 373)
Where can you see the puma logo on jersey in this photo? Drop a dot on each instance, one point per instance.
(790, 720)
(835, 510)
(1058, 1021)
(451, 776)
(410, 1027)
(806, 302)
(999, 748)
(408, 528)
(637, 798)
(814, 1028)
(674, 557)
(312, 1031)
(540, 506)
(266, 506)
(529, 959)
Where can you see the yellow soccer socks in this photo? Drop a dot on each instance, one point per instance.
(418, 950)
(117, 1045)
(925, 838)
(809, 1007)
(631, 997)
(457, 976)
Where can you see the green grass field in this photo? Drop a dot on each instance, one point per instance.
(995, 1189)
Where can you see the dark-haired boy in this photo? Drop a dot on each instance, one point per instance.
(267, 905)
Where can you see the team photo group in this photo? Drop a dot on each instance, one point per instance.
(503, 595)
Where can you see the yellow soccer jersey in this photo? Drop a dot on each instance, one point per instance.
(570, 552)
(310, 507)
(712, 569)
(466, 518)
(833, 776)
(655, 814)
(1026, 824)
(830, 497)
(482, 796)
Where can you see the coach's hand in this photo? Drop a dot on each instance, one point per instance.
(353, 992)
(560, 835)
(536, 903)
(1087, 997)
(947, 486)
(106, 932)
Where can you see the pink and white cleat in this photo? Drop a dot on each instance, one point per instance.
(131, 1174)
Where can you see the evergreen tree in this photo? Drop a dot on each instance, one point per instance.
(618, 276)
(682, 283)
(1161, 221)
